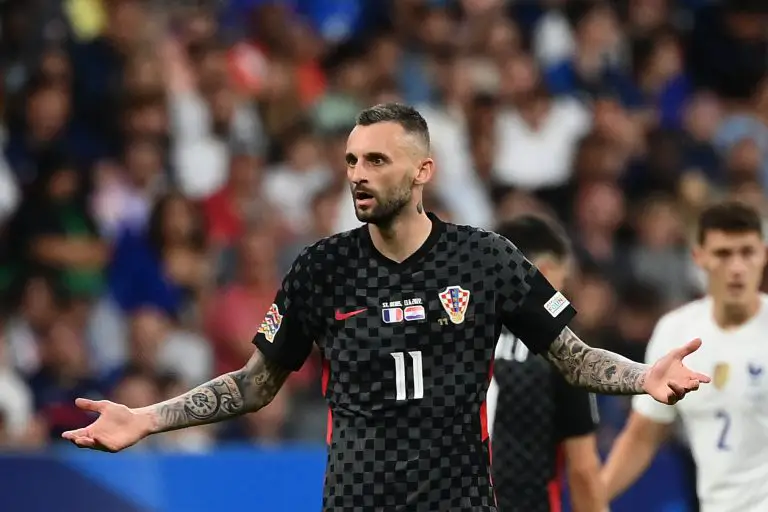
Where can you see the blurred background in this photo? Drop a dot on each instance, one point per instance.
(165, 160)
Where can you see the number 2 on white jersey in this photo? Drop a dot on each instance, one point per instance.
(418, 375)
(722, 438)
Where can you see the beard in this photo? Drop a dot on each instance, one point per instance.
(385, 209)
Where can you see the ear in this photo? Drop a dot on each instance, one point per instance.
(425, 172)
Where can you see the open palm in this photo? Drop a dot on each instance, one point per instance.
(669, 380)
(116, 428)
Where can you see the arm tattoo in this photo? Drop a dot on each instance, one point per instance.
(595, 369)
(233, 394)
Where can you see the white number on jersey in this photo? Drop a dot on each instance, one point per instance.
(510, 348)
(418, 376)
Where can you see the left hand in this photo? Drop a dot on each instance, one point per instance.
(668, 380)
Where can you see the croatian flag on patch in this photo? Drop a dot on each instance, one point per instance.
(392, 315)
(413, 313)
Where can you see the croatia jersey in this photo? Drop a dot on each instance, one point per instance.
(407, 350)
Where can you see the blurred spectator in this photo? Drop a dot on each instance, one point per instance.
(599, 213)
(124, 195)
(595, 297)
(702, 118)
(55, 233)
(292, 184)
(64, 375)
(747, 130)
(230, 209)
(642, 306)
(17, 413)
(41, 133)
(163, 265)
(596, 64)
(457, 183)
(537, 140)
(662, 257)
(39, 304)
(155, 346)
(334, 151)
(238, 309)
(661, 76)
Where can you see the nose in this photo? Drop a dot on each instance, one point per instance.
(355, 174)
(738, 266)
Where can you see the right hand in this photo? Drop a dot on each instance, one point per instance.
(116, 428)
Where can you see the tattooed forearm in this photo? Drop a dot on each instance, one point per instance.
(239, 392)
(598, 370)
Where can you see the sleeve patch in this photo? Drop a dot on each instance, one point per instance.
(556, 304)
(271, 324)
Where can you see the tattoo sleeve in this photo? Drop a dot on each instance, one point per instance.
(233, 394)
(597, 370)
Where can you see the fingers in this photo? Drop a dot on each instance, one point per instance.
(71, 435)
(701, 378)
(679, 390)
(689, 348)
(85, 442)
(91, 405)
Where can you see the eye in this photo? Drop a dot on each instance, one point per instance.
(351, 160)
(377, 160)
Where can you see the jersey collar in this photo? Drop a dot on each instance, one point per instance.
(438, 226)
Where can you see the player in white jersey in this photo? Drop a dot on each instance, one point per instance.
(726, 423)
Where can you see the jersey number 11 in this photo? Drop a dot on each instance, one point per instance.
(401, 380)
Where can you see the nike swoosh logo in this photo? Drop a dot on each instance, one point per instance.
(343, 316)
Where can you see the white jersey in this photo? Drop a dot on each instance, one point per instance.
(726, 421)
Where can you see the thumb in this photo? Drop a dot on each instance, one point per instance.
(689, 348)
(90, 405)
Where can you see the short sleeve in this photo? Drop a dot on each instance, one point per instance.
(289, 327)
(529, 306)
(575, 409)
(645, 404)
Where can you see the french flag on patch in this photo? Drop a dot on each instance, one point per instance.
(413, 313)
(392, 315)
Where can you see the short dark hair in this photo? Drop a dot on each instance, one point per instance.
(404, 115)
(730, 216)
(536, 236)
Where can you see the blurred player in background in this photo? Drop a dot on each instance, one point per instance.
(727, 423)
(538, 422)
(406, 311)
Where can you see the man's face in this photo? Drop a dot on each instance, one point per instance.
(734, 264)
(382, 165)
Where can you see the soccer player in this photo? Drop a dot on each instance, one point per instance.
(727, 423)
(405, 311)
(537, 421)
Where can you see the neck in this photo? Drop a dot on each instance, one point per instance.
(729, 316)
(403, 236)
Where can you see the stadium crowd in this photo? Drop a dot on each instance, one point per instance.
(164, 162)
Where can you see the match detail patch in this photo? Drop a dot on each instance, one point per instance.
(271, 324)
(556, 304)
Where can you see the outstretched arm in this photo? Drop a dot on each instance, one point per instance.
(233, 394)
(595, 369)
(601, 371)
(239, 392)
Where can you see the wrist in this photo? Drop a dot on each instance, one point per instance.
(147, 420)
(643, 378)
